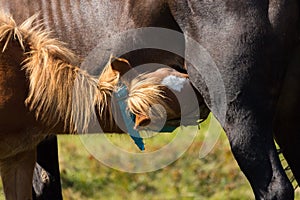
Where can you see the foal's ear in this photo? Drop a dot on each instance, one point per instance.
(120, 65)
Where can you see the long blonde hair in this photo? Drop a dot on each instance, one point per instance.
(58, 89)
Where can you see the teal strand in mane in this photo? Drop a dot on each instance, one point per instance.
(129, 119)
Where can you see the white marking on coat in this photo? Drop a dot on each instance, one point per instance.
(174, 82)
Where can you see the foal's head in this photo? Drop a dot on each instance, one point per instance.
(152, 98)
(145, 92)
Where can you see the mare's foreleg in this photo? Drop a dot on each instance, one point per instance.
(254, 149)
(16, 174)
(241, 52)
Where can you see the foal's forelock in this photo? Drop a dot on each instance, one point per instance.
(58, 90)
(144, 93)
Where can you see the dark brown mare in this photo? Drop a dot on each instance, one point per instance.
(252, 43)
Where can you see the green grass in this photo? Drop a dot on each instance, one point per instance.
(214, 177)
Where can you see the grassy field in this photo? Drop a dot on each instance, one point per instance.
(214, 177)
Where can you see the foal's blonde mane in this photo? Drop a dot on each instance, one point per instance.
(58, 89)
(108, 83)
(144, 93)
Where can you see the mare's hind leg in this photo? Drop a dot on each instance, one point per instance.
(16, 174)
(287, 129)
